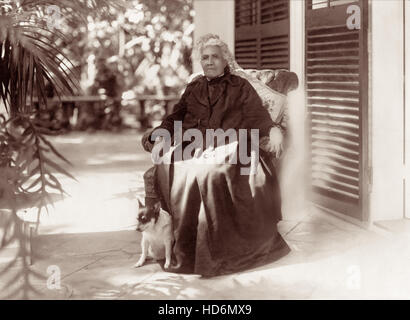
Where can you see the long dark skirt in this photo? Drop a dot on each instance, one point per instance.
(223, 221)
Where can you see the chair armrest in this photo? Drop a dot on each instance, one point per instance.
(284, 82)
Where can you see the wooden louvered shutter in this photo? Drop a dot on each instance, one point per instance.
(262, 34)
(337, 89)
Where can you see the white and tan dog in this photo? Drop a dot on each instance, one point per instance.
(157, 234)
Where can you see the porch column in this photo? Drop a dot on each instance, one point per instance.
(406, 5)
(386, 109)
(293, 170)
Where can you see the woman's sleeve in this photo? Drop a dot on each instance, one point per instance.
(178, 114)
(255, 114)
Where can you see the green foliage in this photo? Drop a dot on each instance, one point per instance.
(27, 177)
(146, 47)
(133, 47)
(30, 58)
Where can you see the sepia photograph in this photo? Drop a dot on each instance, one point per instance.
(204, 150)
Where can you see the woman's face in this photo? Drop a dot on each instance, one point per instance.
(212, 61)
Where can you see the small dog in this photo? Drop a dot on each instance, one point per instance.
(157, 234)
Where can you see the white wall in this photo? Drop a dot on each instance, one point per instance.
(214, 16)
(386, 103)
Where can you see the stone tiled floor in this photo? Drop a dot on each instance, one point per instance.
(329, 260)
(89, 238)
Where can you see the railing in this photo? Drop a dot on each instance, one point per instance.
(100, 102)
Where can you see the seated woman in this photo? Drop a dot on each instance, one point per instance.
(224, 221)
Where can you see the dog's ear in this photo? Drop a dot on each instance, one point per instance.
(140, 205)
(157, 206)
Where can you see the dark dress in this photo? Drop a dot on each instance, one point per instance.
(223, 221)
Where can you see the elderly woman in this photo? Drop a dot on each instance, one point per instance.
(224, 220)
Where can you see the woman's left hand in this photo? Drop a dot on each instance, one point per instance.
(276, 141)
(147, 145)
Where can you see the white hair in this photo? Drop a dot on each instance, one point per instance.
(214, 40)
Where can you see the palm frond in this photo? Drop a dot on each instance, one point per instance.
(28, 62)
(30, 58)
